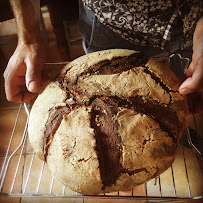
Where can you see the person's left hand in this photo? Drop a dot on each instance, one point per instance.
(194, 83)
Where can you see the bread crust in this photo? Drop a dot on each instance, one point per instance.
(117, 117)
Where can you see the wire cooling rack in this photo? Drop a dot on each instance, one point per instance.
(23, 174)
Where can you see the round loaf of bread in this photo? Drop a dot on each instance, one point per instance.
(111, 120)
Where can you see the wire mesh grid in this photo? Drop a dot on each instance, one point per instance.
(24, 174)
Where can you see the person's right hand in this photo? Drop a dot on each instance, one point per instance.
(194, 83)
(23, 72)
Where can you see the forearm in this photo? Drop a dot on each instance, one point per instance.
(27, 15)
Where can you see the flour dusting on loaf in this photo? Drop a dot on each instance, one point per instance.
(110, 121)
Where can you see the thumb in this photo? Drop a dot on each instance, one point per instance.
(33, 77)
(194, 82)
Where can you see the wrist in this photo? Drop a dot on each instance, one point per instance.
(29, 32)
(31, 49)
(30, 38)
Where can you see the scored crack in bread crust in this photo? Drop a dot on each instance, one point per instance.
(110, 121)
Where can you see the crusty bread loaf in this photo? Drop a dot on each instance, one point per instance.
(111, 120)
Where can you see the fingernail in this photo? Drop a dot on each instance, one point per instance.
(184, 91)
(33, 86)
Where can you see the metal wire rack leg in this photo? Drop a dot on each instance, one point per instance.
(19, 160)
(21, 143)
(9, 145)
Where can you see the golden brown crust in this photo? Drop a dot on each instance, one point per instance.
(118, 117)
(161, 67)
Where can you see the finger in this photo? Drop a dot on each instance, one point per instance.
(23, 97)
(14, 85)
(193, 83)
(18, 93)
(33, 76)
(189, 72)
(15, 95)
(28, 96)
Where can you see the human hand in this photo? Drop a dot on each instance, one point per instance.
(194, 82)
(23, 72)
